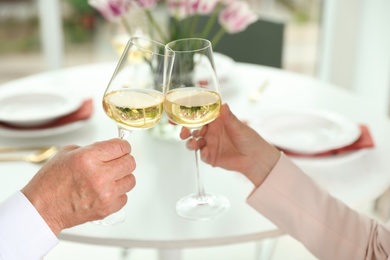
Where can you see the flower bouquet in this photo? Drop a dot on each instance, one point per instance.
(168, 20)
(183, 17)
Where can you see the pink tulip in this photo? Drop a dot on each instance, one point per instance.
(203, 6)
(111, 9)
(236, 17)
(179, 9)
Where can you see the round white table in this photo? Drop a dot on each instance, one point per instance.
(165, 169)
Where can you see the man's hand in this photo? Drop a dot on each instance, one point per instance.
(82, 184)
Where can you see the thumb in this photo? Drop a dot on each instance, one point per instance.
(111, 149)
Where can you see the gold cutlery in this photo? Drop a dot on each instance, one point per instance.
(40, 156)
(23, 148)
(255, 95)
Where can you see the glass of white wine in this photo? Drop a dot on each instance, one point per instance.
(134, 96)
(192, 100)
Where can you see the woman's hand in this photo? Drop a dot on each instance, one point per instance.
(228, 143)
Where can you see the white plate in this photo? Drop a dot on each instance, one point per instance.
(35, 106)
(36, 133)
(308, 132)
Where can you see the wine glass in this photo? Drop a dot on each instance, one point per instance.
(134, 96)
(192, 100)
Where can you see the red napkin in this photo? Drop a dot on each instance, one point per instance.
(364, 141)
(82, 113)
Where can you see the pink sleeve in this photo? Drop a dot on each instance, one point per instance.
(327, 227)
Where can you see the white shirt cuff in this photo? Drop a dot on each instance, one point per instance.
(24, 235)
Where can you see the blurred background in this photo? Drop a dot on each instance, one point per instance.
(345, 43)
(84, 36)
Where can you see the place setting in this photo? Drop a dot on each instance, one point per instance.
(30, 112)
(316, 136)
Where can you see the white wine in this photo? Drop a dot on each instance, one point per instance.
(134, 108)
(192, 107)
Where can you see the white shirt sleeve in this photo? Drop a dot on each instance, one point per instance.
(24, 235)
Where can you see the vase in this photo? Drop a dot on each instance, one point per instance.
(165, 130)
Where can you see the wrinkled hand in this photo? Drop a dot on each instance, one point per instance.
(229, 143)
(82, 184)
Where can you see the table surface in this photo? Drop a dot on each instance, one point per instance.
(165, 169)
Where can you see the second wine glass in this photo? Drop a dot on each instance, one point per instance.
(134, 96)
(192, 100)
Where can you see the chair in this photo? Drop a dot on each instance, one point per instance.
(261, 43)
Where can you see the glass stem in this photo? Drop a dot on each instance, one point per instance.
(123, 133)
(201, 192)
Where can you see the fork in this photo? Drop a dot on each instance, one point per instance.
(38, 157)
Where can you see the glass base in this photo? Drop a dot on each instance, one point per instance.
(205, 207)
(115, 218)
